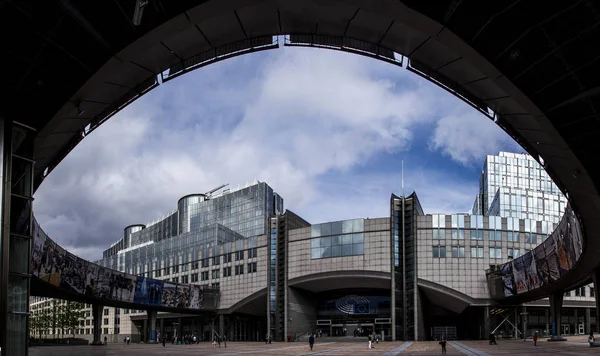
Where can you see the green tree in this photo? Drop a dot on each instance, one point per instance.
(68, 316)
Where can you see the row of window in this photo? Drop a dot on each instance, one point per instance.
(494, 235)
(476, 252)
(476, 222)
(205, 262)
(216, 273)
(337, 228)
(337, 246)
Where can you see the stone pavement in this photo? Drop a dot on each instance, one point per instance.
(574, 346)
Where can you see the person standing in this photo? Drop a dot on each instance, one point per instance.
(370, 341)
(225, 340)
(164, 339)
(311, 341)
(443, 343)
(535, 338)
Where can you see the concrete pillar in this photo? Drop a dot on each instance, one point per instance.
(97, 321)
(576, 331)
(524, 320)
(221, 325)
(596, 280)
(151, 333)
(162, 329)
(487, 323)
(588, 321)
(144, 333)
(556, 301)
(547, 317)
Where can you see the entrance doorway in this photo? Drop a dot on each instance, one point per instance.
(565, 329)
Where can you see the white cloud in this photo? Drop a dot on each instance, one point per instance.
(291, 120)
(468, 136)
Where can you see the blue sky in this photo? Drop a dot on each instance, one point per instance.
(327, 130)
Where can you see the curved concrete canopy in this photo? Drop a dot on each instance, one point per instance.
(448, 298)
(337, 280)
(254, 304)
(530, 65)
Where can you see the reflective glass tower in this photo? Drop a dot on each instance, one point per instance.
(516, 185)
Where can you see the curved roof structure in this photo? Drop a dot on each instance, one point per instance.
(530, 68)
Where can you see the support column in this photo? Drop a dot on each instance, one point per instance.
(144, 333)
(221, 325)
(16, 232)
(97, 331)
(596, 280)
(487, 324)
(547, 317)
(151, 335)
(588, 321)
(556, 301)
(576, 331)
(162, 329)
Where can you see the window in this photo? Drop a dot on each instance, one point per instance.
(458, 252)
(252, 267)
(195, 265)
(592, 292)
(252, 252)
(175, 269)
(185, 279)
(216, 260)
(513, 252)
(337, 246)
(439, 251)
(439, 234)
(227, 257)
(227, 272)
(495, 252)
(105, 311)
(204, 262)
(215, 273)
(476, 252)
(476, 234)
(239, 255)
(239, 269)
(194, 277)
(530, 238)
(106, 330)
(105, 321)
(513, 236)
(577, 292)
(175, 279)
(158, 273)
(204, 276)
(495, 235)
(458, 234)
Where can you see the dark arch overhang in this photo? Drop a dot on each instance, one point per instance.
(536, 73)
(339, 280)
(448, 298)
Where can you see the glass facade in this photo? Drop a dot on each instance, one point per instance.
(337, 239)
(515, 185)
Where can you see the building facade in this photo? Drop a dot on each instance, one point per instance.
(406, 276)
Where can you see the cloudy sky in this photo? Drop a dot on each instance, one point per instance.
(327, 130)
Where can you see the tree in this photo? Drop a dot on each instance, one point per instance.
(69, 315)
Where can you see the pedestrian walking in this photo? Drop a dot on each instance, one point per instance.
(370, 341)
(443, 343)
(535, 338)
(164, 340)
(225, 340)
(311, 341)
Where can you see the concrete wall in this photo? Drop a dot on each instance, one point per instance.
(302, 311)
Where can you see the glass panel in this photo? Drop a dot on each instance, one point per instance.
(347, 226)
(347, 250)
(315, 253)
(325, 252)
(314, 243)
(17, 297)
(325, 229)
(357, 249)
(435, 220)
(358, 225)
(346, 239)
(336, 251)
(443, 251)
(19, 252)
(326, 241)
(315, 230)
(461, 221)
(336, 240)
(336, 228)
(17, 335)
(454, 221)
(357, 238)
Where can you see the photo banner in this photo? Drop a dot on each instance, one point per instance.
(549, 261)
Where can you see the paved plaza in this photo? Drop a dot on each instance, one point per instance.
(575, 346)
